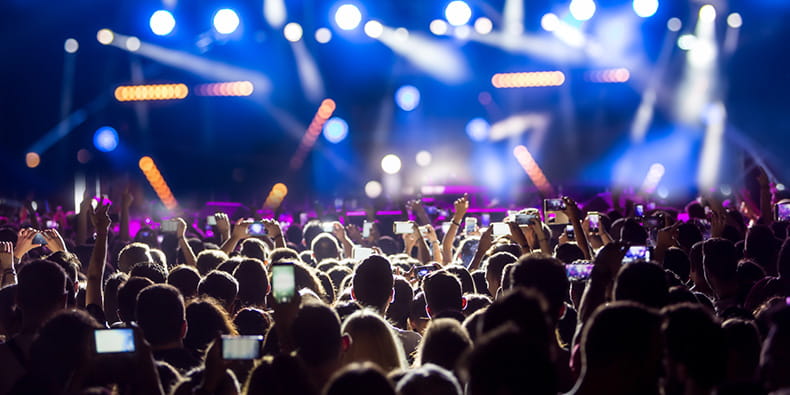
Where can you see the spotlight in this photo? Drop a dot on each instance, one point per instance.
(323, 35)
(105, 139)
(226, 21)
(423, 158)
(528, 79)
(133, 44)
(293, 32)
(374, 29)
(373, 189)
(71, 45)
(582, 10)
(483, 25)
(477, 129)
(407, 97)
(707, 13)
(438, 27)
(458, 13)
(674, 24)
(686, 42)
(734, 20)
(105, 36)
(162, 23)
(335, 130)
(348, 17)
(151, 92)
(550, 22)
(32, 160)
(645, 8)
(390, 163)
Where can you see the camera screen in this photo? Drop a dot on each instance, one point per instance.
(110, 341)
(241, 347)
(783, 212)
(283, 282)
(635, 253)
(554, 205)
(257, 229)
(578, 272)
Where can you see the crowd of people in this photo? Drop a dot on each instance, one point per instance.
(454, 309)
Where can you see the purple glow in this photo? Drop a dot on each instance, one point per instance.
(487, 210)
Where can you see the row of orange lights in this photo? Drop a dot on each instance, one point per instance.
(611, 76)
(528, 79)
(236, 88)
(325, 111)
(151, 92)
(276, 196)
(534, 172)
(156, 180)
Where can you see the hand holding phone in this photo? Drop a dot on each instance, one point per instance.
(283, 281)
(257, 229)
(114, 341)
(578, 271)
(360, 253)
(241, 347)
(402, 227)
(470, 225)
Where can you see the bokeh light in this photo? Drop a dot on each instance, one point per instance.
(477, 129)
(293, 32)
(32, 160)
(374, 29)
(105, 139)
(348, 17)
(645, 8)
(226, 21)
(407, 97)
(162, 22)
(582, 10)
(391, 164)
(105, 36)
(373, 189)
(458, 13)
(335, 130)
(71, 45)
(323, 35)
(423, 158)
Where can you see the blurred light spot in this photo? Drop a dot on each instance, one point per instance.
(348, 17)
(105, 139)
(407, 97)
(423, 158)
(335, 130)
(582, 10)
(687, 42)
(374, 29)
(226, 21)
(438, 27)
(674, 24)
(550, 22)
(105, 36)
(707, 13)
(133, 44)
(645, 8)
(323, 35)
(734, 20)
(293, 32)
(528, 80)
(162, 22)
(391, 164)
(83, 156)
(458, 13)
(483, 25)
(373, 189)
(477, 129)
(71, 45)
(32, 160)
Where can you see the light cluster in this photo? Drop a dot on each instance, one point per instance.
(325, 111)
(611, 76)
(157, 182)
(235, 88)
(528, 79)
(534, 172)
(151, 92)
(276, 196)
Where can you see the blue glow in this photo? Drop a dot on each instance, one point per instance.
(226, 21)
(348, 17)
(162, 23)
(105, 139)
(335, 130)
(645, 8)
(477, 129)
(458, 13)
(407, 97)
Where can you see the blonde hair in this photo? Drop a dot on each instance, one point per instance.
(372, 339)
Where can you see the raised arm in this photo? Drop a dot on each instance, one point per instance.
(7, 264)
(605, 268)
(434, 244)
(486, 239)
(275, 232)
(766, 204)
(240, 232)
(126, 202)
(101, 221)
(573, 212)
(460, 206)
(181, 233)
(82, 218)
(340, 234)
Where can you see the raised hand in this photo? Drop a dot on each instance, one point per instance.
(181, 228)
(6, 255)
(126, 199)
(24, 242)
(571, 208)
(100, 217)
(718, 221)
(431, 234)
(610, 258)
(338, 231)
(241, 229)
(272, 227)
(416, 207)
(54, 240)
(460, 206)
(354, 234)
(223, 225)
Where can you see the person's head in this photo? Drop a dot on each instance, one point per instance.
(160, 314)
(463, 276)
(325, 246)
(676, 260)
(372, 340)
(150, 270)
(282, 375)
(429, 379)
(254, 248)
(206, 319)
(443, 344)
(642, 282)
(359, 379)
(111, 287)
(316, 334)
(695, 348)
(186, 279)
(720, 263)
(418, 317)
(250, 321)
(398, 311)
(372, 282)
(762, 247)
(475, 302)
(221, 286)
(42, 290)
(337, 274)
(506, 362)
(253, 282)
(546, 275)
(688, 235)
(442, 293)
(742, 344)
(496, 264)
(159, 257)
(132, 254)
(527, 309)
(622, 343)
(208, 260)
(311, 230)
(71, 266)
(568, 253)
(283, 254)
(632, 232)
(127, 297)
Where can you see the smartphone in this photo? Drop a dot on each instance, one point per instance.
(782, 211)
(52, 224)
(360, 253)
(654, 222)
(556, 204)
(525, 219)
(113, 341)
(578, 272)
(423, 271)
(401, 227)
(553, 211)
(283, 281)
(446, 227)
(241, 347)
(637, 253)
(639, 211)
(328, 227)
(302, 218)
(500, 229)
(169, 226)
(569, 232)
(594, 219)
(256, 229)
(211, 220)
(485, 219)
(39, 239)
(424, 230)
(366, 227)
(144, 233)
(470, 224)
